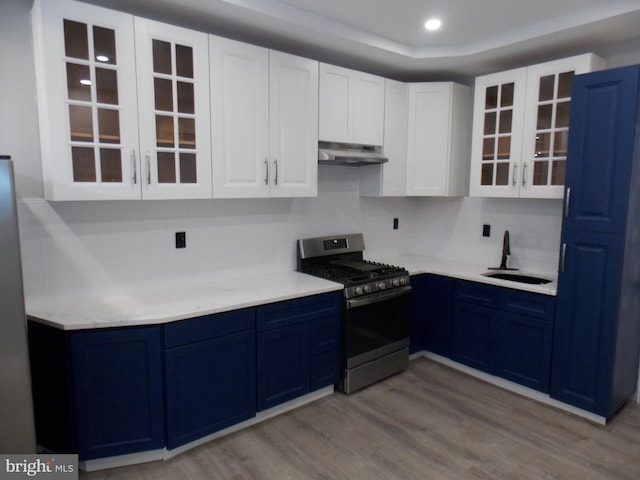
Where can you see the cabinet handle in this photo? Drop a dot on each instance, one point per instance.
(564, 257)
(275, 172)
(524, 175)
(134, 167)
(147, 158)
(567, 201)
(266, 172)
(515, 174)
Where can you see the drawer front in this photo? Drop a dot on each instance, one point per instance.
(477, 293)
(300, 310)
(209, 326)
(529, 304)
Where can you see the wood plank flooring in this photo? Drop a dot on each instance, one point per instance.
(430, 422)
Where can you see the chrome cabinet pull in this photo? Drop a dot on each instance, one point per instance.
(524, 175)
(266, 172)
(134, 167)
(275, 172)
(515, 174)
(567, 201)
(147, 158)
(564, 257)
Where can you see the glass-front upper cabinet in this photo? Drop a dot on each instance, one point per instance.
(521, 127)
(102, 82)
(85, 74)
(497, 133)
(173, 84)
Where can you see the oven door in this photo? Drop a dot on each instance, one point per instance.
(376, 331)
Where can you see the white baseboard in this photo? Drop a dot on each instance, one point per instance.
(164, 454)
(512, 387)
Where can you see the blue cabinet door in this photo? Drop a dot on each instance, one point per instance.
(283, 364)
(474, 334)
(586, 317)
(419, 312)
(210, 386)
(325, 370)
(298, 347)
(439, 315)
(523, 353)
(601, 145)
(117, 377)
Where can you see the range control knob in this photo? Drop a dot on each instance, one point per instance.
(366, 289)
(382, 286)
(358, 290)
(396, 282)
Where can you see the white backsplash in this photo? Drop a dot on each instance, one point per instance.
(452, 229)
(102, 245)
(78, 245)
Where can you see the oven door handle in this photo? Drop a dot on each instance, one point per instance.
(377, 297)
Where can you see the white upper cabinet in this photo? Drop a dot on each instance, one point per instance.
(293, 125)
(520, 129)
(173, 99)
(118, 122)
(264, 121)
(390, 179)
(351, 106)
(87, 101)
(438, 140)
(240, 118)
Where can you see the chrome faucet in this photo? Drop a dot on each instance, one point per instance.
(506, 251)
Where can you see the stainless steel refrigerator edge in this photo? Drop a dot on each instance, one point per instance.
(17, 430)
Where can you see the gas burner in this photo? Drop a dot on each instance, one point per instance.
(341, 260)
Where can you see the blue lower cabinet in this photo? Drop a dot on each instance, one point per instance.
(117, 391)
(524, 350)
(438, 317)
(211, 385)
(325, 370)
(474, 336)
(283, 365)
(210, 372)
(586, 337)
(504, 332)
(298, 347)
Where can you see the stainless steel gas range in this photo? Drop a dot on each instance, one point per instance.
(376, 319)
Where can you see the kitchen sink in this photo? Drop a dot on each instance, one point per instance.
(518, 277)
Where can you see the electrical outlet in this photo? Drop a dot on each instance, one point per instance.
(181, 240)
(486, 230)
(395, 223)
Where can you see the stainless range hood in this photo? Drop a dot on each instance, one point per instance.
(351, 155)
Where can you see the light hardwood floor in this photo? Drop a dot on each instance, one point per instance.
(430, 422)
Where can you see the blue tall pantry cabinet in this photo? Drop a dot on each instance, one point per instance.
(597, 329)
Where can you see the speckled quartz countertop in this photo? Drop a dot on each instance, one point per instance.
(162, 301)
(157, 302)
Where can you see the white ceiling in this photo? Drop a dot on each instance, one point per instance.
(387, 36)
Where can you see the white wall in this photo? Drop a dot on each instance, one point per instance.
(452, 228)
(97, 244)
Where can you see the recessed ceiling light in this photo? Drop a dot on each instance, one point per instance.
(102, 58)
(432, 24)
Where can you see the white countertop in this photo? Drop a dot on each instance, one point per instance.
(471, 271)
(157, 302)
(162, 301)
